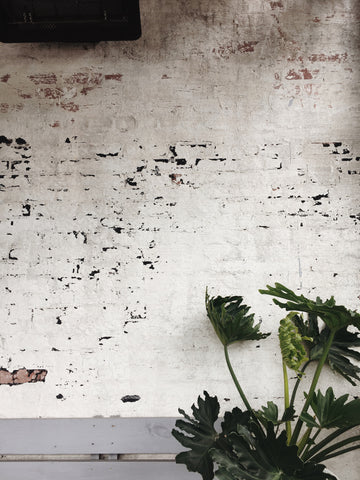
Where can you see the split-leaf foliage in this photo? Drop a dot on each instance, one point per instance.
(266, 444)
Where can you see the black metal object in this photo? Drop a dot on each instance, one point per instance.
(69, 20)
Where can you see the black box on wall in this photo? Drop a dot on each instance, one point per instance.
(69, 20)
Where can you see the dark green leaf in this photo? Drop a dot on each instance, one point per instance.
(331, 412)
(230, 319)
(289, 414)
(341, 350)
(334, 316)
(267, 457)
(233, 419)
(199, 435)
(271, 412)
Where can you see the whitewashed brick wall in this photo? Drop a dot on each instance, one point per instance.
(222, 150)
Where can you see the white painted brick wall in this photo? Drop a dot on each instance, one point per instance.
(221, 149)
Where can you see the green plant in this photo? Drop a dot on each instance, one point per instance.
(261, 444)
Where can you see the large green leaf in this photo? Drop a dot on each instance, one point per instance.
(341, 350)
(331, 412)
(266, 457)
(230, 319)
(199, 435)
(335, 316)
(340, 353)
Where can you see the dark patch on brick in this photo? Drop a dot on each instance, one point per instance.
(173, 151)
(104, 155)
(26, 210)
(93, 273)
(162, 160)
(148, 262)
(7, 141)
(180, 161)
(131, 182)
(11, 256)
(346, 159)
(326, 144)
(60, 396)
(140, 169)
(67, 140)
(118, 229)
(318, 197)
(103, 338)
(337, 144)
(175, 178)
(20, 141)
(130, 398)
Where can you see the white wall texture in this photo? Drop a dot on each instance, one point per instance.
(221, 149)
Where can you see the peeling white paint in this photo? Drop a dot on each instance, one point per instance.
(219, 150)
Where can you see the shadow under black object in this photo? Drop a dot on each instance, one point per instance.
(69, 20)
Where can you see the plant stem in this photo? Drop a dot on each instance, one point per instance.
(286, 400)
(314, 382)
(299, 377)
(341, 452)
(312, 442)
(303, 441)
(237, 384)
(324, 442)
(325, 453)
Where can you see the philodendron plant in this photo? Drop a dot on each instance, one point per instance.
(265, 444)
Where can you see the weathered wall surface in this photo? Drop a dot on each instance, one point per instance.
(220, 149)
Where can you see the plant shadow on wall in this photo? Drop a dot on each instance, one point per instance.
(263, 444)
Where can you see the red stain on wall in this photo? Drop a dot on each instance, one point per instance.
(70, 107)
(322, 57)
(292, 75)
(274, 5)
(5, 78)
(225, 51)
(23, 375)
(319, 57)
(4, 107)
(88, 79)
(114, 76)
(303, 74)
(50, 93)
(43, 78)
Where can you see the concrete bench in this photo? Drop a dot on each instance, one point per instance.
(90, 449)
